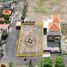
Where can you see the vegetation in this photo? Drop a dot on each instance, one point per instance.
(2, 65)
(59, 61)
(6, 17)
(41, 8)
(47, 62)
(55, 1)
(25, 10)
(30, 63)
(11, 64)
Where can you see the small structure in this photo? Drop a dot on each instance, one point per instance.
(6, 5)
(54, 32)
(18, 25)
(7, 12)
(29, 20)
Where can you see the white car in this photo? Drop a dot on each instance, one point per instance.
(18, 25)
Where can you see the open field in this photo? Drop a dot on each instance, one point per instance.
(43, 9)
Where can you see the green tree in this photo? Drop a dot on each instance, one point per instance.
(59, 61)
(6, 16)
(47, 62)
(30, 63)
(11, 64)
(2, 65)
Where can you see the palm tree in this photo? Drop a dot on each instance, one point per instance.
(59, 61)
(30, 63)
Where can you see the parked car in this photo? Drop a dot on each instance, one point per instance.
(18, 25)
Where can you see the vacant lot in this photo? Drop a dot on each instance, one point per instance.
(30, 40)
(42, 9)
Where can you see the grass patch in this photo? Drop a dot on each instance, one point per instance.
(40, 2)
(39, 10)
(42, 10)
(55, 1)
(25, 10)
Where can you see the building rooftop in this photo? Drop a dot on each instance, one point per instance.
(4, 26)
(54, 27)
(7, 11)
(1, 19)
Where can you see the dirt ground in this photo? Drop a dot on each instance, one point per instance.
(47, 9)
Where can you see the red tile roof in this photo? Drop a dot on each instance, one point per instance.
(56, 18)
(7, 11)
(4, 25)
(54, 27)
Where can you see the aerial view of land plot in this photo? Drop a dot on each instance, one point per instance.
(33, 33)
(31, 40)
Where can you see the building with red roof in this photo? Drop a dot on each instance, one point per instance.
(1, 19)
(54, 29)
(7, 12)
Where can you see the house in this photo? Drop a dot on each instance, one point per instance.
(7, 12)
(53, 36)
(54, 32)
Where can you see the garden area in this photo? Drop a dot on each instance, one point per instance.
(47, 62)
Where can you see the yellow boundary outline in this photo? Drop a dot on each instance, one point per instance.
(19, 41)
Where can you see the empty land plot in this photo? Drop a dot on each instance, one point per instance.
(30, 41)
